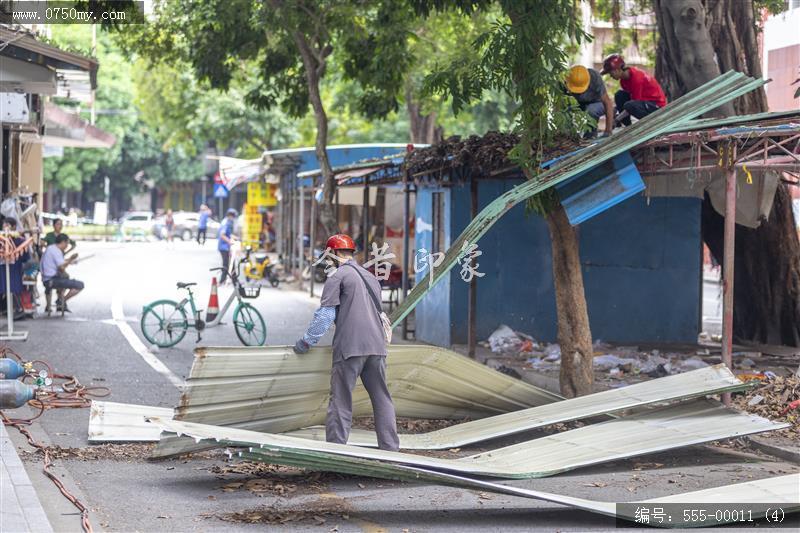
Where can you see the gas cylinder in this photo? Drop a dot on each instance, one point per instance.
(10, 369)
(14, 393)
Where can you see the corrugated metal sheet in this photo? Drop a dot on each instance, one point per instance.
(782, 490)
(124, 422)
(656, 430)
(705, 381)
(710, 95)
(111, 421)
(272, 389)
(600, 188)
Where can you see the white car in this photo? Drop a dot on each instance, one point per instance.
(137, 224)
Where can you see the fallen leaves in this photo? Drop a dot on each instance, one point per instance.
(112, 452)
(772, 399)
(315, 513)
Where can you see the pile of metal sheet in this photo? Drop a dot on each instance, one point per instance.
(274, 390)
(111, 421)
(650, 431)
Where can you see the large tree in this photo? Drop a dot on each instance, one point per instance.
(699, 39)
(293, 42)
(524, 55)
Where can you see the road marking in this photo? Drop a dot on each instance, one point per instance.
(138, 346)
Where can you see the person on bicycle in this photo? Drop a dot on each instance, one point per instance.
(225, 238)
(359, 346)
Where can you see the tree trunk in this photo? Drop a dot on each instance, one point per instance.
(766, 291)
(685, 54)
(314, 66)
(767, 261)
(422, 128)
(574, 335)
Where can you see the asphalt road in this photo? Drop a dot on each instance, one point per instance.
(129, 493)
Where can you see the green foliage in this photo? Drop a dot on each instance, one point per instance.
(188, 114)
(137, 151)
(521, 55)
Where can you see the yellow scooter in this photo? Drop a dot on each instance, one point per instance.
(257, 266)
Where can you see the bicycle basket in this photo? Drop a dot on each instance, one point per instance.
(249, 292)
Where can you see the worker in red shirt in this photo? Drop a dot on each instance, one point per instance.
(640, 94)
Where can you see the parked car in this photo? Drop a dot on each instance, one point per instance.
(137, 223)
(186, 224)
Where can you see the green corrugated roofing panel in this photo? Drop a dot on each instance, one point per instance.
(651, 431)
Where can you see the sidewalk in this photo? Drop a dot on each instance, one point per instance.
(20, 509)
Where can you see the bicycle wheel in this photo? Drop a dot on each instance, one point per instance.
(164, 323)
(249, 325)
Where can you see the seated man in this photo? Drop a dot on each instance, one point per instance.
(54, 273)
(640, 94)
(50, 237)
(587, 87)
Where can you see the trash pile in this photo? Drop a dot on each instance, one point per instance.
(613, 362)
(776, 398)
(506, 341)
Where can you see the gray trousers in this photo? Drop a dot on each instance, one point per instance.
(372, 369)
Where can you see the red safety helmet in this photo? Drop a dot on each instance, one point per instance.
(612, 62)
(340, 241)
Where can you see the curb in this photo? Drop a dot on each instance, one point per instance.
(787, 454)
(22, 510)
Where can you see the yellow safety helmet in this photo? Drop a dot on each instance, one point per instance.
(578, 79)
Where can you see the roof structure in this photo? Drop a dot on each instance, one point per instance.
(668, 119)
(76, 75)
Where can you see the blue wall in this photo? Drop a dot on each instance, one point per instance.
(641, 266)
(435, 328)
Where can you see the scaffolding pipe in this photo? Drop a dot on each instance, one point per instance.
(313, 236)
(473, 284)
(727, 273)
(406, 242)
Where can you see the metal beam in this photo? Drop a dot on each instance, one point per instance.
(729, 250)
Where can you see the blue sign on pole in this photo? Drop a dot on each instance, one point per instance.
(220, 191)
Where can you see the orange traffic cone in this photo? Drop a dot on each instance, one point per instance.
(213, 302)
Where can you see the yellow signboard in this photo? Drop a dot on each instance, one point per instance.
(251, 229)
(261, 194)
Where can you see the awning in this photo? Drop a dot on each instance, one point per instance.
(65, 129)
(234, 171)
(76, 75)
(22, 77)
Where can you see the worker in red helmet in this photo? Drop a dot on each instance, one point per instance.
(351, 299)
(640, 94)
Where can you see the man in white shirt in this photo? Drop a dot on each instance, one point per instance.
(54, 272)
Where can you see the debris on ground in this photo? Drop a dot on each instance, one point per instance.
(409, 425)
(260, 485)
(111, 452)
(275, 479)
(506, 341)
(317, 513)
(776, 398)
